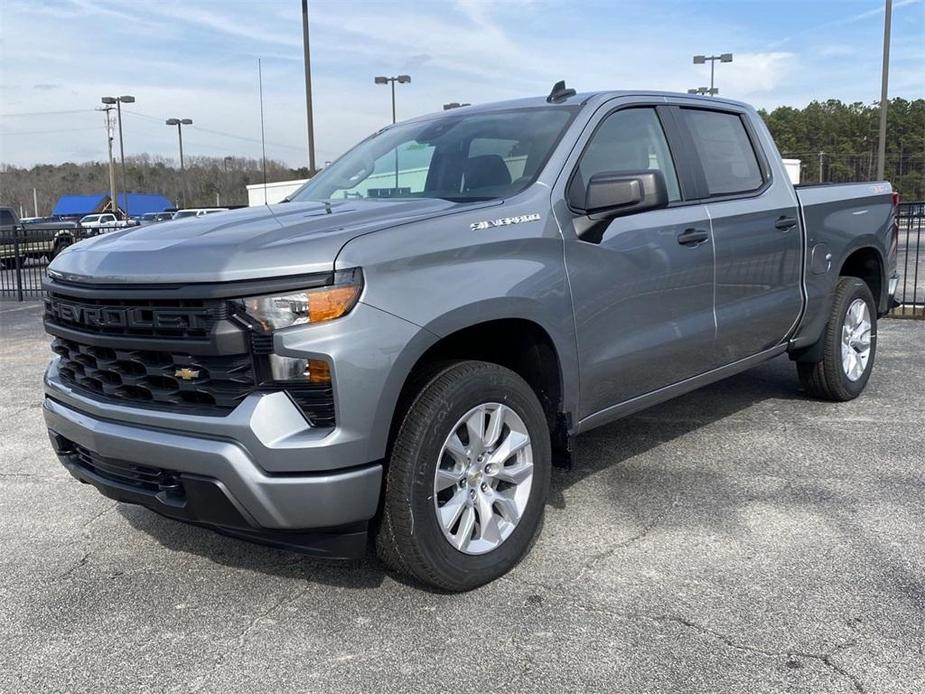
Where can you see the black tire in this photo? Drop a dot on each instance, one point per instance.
(60, 245)
(409, 539)
(826, 379)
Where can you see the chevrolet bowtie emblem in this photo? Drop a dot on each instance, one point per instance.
(187, 374)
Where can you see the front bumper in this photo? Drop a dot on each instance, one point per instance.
(216, 482)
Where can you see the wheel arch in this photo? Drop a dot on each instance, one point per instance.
(521, 344)
(866, 263)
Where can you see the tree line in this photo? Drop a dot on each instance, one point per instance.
(840, 141)
(835, 142)
(204, 181)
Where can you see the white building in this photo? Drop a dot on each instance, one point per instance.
(258, 194)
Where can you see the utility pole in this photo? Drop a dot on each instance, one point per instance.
(114, 201)
(118, 101)
(35, 202)
(821, 155)
(881, 148)
(308, 90)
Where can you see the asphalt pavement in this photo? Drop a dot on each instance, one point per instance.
(742, 538)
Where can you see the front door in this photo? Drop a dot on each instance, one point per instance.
(643, 294)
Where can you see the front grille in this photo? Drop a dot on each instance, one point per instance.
(160, 318)
(142, 477)
(190, 355)
(206, 384)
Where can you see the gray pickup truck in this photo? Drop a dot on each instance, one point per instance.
(403, 349)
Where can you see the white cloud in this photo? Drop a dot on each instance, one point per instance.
(198, 60)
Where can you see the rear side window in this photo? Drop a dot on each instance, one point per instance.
(6, 217)
(627, 140)
(726, 153)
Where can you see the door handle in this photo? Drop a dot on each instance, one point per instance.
(785, 223)
(691, 237)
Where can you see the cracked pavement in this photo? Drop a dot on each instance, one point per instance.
(739, 539)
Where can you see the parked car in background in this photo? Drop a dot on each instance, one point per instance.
(36, 239)
(406, 351)
(103, 222)
(155, 217)
(197, 212)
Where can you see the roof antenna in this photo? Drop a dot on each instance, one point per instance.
(263, 139)
(559, 93)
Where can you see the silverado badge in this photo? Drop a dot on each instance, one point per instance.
(504, 221)
(187, 374)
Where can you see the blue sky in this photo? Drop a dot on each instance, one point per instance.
(197, 59)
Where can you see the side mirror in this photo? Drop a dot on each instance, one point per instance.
(618, 193)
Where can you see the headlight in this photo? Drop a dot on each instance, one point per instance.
(276, 311)
(307, 306)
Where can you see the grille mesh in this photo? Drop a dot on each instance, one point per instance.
(155, 377)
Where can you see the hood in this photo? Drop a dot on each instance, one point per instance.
(288, 239)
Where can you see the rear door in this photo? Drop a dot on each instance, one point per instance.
(754, 220)
(642, 295)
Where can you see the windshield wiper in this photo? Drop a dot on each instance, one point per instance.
(467, 198)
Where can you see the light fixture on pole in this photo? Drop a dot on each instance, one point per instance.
(401, 79)
(702, 59)
(180, 122)
(704, 90)
(118, 101)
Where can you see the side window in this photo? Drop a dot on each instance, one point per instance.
(628, 140)
(726, 154)
(6, 217)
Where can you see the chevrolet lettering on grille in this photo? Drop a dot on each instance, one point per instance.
(140, 317)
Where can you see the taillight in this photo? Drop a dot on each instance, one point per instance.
(895, 200)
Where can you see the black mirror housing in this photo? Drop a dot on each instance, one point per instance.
(613, 194)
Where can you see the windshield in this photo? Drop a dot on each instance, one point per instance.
(458, 157)
(90, 218)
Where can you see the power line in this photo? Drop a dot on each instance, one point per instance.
(45, 113)
(47, 132)
(220, 133)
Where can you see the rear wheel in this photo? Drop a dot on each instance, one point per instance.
(467, 479)
(849, 345)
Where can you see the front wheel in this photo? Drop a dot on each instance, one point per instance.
(849, 345)
(467, 479)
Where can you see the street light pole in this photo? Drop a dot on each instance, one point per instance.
(401, 79)
(881, 146)
(180, 122)
(701, 59)
(308, 90)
